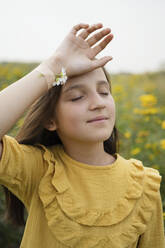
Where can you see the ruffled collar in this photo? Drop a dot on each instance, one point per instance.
(63, 204)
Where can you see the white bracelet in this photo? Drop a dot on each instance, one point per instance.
(51, 79)
(60, 78)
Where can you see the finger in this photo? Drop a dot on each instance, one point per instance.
(77, 27)
(101, 62)
(102, 44)
(94, 39)
(85, 33)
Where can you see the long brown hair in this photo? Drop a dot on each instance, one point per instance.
(33, 131)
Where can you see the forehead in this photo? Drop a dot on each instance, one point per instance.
(94, 78)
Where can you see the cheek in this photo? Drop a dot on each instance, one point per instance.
(70, 115)
(111, 106)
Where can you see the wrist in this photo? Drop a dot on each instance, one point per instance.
(53, 70)
(57, 62)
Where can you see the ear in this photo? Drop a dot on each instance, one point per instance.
(51, 125)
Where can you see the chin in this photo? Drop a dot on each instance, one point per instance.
(98, 138)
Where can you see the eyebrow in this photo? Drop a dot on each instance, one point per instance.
(79, 86)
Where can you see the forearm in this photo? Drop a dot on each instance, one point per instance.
(16, 98)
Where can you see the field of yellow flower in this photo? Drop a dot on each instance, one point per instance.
(140, 118)
(140, 113)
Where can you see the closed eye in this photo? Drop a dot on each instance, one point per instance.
(75, 99)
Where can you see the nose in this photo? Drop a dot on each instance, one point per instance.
(96, 101)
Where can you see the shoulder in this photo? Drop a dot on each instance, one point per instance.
(144, 181)
(12, 148)
(138, 165)
(152, 176)
(150, 184)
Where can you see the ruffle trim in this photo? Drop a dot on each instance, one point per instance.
(146, 205)
(75, 226)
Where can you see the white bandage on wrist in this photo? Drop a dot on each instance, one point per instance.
(51, 78)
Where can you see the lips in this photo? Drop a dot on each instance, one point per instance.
(98, 118)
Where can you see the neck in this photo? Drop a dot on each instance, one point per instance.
(89, 154)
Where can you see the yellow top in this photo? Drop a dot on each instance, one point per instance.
(76, 205)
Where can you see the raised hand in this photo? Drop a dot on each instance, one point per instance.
(76, 52)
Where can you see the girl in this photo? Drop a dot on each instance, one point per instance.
(64, 165)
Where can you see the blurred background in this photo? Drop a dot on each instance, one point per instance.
(30, 32)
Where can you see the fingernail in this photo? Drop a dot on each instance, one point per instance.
(98, 24)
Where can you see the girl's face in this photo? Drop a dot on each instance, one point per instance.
(83, 98)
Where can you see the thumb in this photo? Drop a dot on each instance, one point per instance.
(101, 62)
